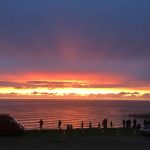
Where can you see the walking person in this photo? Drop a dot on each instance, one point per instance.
(41, 124)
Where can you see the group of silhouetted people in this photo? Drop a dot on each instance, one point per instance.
(104, 123)
(70, 126)
(131, 124)
(126, 124)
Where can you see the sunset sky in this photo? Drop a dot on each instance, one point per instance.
(75, 49)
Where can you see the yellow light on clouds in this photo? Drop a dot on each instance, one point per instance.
(65, 91)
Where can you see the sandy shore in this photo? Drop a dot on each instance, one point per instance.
(89, 140)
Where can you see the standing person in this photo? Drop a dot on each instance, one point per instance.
(82, 125)
(129, 123)
(68, 126)
(59, 124)
(111, 124)
(124, 123)
(134, 123)
(138, 126)
(105, 123)
(99, 125)
(90, 125)
(71, 126)
(41, 124)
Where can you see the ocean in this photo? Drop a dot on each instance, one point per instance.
(29, 112)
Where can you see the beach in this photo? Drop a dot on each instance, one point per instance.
(92, 139)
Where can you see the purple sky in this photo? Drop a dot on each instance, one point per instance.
(99, 36)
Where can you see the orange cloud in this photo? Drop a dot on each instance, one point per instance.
(63, 76)
(71, 85)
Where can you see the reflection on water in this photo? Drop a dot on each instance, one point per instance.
(30, 112)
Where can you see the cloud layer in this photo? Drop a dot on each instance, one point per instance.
(100, 37)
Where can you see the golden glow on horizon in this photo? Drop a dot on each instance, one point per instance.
(67, 91)
(70, 85)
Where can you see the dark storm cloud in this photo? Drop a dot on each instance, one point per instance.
(82, 35)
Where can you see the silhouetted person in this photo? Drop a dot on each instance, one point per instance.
(99, 125)
(129, 123)
(71, 126)
(68, 126)
(134, 123)
(105, 123)
(82, 125)
(138, 126)
(59, 124)
(41, 124)
(111, 124)
(124, 123)
(90, 125)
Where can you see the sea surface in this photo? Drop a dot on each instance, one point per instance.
(29, 112)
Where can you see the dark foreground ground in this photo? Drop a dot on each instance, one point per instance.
(93, 139)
